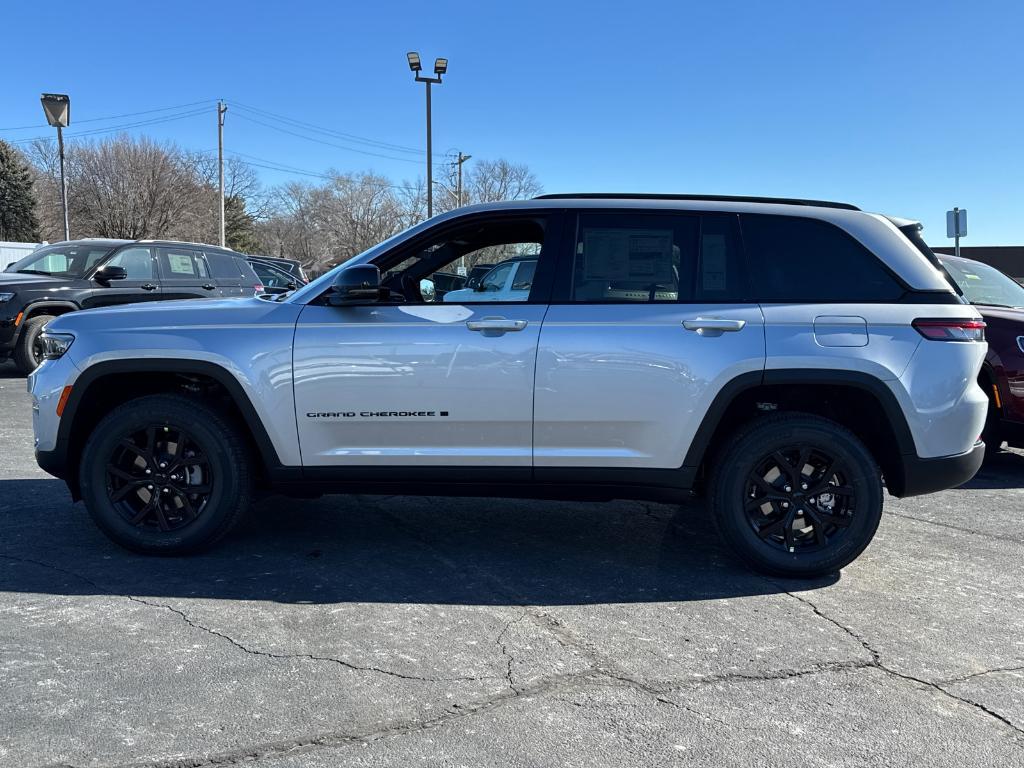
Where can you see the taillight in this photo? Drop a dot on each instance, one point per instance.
(258, 289)
(951, 329)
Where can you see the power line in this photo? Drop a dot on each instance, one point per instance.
(329, 131)
(327, 143)
(116, 117)
(123, 126)
(273, 165)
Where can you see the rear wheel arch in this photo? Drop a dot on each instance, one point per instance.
(858, 401)
(106, 385)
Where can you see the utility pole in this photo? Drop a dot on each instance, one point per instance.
(458, 189)
(221, 109)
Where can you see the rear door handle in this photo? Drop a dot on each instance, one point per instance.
(209, 286)
(496, 326)
(148, 287)
(713, 325)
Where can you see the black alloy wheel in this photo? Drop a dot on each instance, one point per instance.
(158, 477)
(167, 474)
(797, 499)
(795, 494)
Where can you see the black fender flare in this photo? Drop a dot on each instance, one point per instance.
(874, 386)
(58, 462)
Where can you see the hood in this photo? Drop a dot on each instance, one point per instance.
(156, 316)
(21, 280)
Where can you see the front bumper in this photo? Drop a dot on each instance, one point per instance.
(922, 476)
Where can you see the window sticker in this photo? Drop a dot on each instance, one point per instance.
(181, 263)
(628, 254)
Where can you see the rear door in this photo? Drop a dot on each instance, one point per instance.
(225, 269)
(185, 274)
(651, 317)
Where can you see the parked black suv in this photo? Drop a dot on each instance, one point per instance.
(82, 274)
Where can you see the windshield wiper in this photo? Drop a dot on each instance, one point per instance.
(33, 272)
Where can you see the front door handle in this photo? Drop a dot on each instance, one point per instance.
(209, 286)
(496, 326)
(713, 326)
(148, 287)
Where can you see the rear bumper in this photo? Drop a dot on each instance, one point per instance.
(922, 476)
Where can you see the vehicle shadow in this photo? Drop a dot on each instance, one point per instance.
(343, 549)
(1001, 470)
(9, 371)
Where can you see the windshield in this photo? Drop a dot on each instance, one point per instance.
(65, 260)
(983, 284)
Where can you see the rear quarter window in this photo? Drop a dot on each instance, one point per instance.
(223, 266)
(796, 259)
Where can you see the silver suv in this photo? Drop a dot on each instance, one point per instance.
(786, 357)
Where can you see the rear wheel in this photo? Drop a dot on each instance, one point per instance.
(992, 433)
(28, 353)
(796, 495)
(165, 474)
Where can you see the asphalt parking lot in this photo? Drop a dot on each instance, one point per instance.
(484, 632)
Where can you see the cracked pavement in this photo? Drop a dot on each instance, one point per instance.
(483, 632)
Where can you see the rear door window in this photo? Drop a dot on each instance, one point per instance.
(796, 259)
(650, 258)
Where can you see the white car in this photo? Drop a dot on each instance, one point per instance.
(782, 356)
(511, 280)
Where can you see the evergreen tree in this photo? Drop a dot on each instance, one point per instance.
(18, 221)
(239, 226)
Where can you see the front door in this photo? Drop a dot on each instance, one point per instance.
(141, 284)
(420, 381)
(650, 319)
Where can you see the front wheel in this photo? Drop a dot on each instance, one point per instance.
(796, 495)
(166, 475)
(28, 353)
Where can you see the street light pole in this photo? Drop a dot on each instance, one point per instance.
(221, 109)
(63, 183)
(57, 108)
(440, 68)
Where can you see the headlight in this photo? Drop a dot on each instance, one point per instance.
(55, 344)
(6, 297)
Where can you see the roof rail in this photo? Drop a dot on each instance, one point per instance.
(710, 198)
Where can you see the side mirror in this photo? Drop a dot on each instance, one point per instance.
(290, 286)
(357, 284)
(109, 272)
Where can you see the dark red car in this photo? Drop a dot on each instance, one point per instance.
(1001, 302)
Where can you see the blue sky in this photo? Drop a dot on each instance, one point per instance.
(903, 107)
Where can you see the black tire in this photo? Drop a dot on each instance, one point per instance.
(189, 509)
(992, 432)
(27, 355)
(826, 531)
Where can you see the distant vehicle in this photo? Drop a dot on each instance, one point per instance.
(83, 274)
(291, 266)
(509, 280)
(1001, 302)
(274, 279)
(444, 282)
(477, 272)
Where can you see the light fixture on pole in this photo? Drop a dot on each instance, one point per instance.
(57, 108)
(440, 68)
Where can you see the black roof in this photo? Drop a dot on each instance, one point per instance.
(710, 198)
